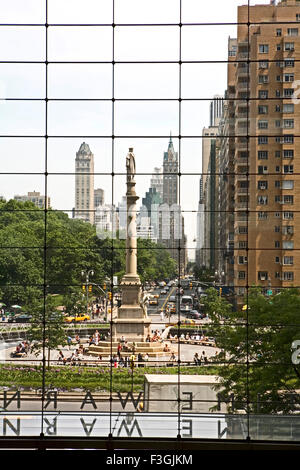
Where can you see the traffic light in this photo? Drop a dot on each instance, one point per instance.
(90, 288)
(220, 291)
(104, 286)
(110, 295)
(83, 287)
(191, 285)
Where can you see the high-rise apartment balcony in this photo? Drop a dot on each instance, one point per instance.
(241, 145)
(243, 71)
(241, 122)
(240, 190)
(241, 107)
(241, 131)
(242, 55)
(238, 161)
(242, 86)
(242, 205)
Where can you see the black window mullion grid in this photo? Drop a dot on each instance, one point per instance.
(44, 385)
(113, 174)
(112, 250)
(247, 235)
(179, 199)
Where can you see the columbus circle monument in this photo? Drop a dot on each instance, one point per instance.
(132, 321)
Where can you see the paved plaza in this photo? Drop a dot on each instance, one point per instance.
(186, 352)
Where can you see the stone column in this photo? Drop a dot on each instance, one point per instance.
(131, 241)
(132, 321)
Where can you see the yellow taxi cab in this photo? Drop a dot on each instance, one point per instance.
(77, 318)
(153, 302)
(184, 322)
(156, 296)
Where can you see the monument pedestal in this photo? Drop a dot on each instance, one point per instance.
(132, 322)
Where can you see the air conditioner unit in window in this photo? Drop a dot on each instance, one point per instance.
(262, 278)
(263, 186)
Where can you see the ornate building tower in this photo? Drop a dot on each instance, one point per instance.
(84, 184)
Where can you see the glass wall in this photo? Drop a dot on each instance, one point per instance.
(201, 340)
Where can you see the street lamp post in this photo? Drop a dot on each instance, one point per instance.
(106, 298)
(219, 275)
(87, 275)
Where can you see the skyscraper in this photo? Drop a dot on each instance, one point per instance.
(206, 246)
(216, 110)
(84, 184)
(199, 258)
(170, 219)
(265, 146)
(170, 175)
(156, 181)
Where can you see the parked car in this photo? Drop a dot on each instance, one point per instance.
(194, 314)
(162, 292)
(20, 318)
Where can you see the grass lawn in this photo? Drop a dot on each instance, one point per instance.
(100, 378)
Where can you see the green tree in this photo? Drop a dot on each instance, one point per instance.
(49, 250)
(203, 274)
(74, 301)
(46, 331)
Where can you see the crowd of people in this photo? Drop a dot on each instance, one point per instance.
(131, 361)
(154, 338)
(187, 337)
(97, 337)
(127, 354)
(76, 356)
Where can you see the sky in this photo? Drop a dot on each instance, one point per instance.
(23, 89)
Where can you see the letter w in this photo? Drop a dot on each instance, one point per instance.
(130, 431)
(125, 401)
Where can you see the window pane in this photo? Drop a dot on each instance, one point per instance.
(147, 44)
(141, 118)
(22, 43)
(17, 11)
(22, 118)
(22, 80)
(80, 44)
(74, 11)
(157, 81)
(80, 81)
(79, 118)
(142, 11)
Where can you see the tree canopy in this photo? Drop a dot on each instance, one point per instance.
(256, 363)
(45, 252)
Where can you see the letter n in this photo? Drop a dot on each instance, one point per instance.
(6, 423)
(7, 402)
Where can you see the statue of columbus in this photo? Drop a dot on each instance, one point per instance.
(130, 165)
